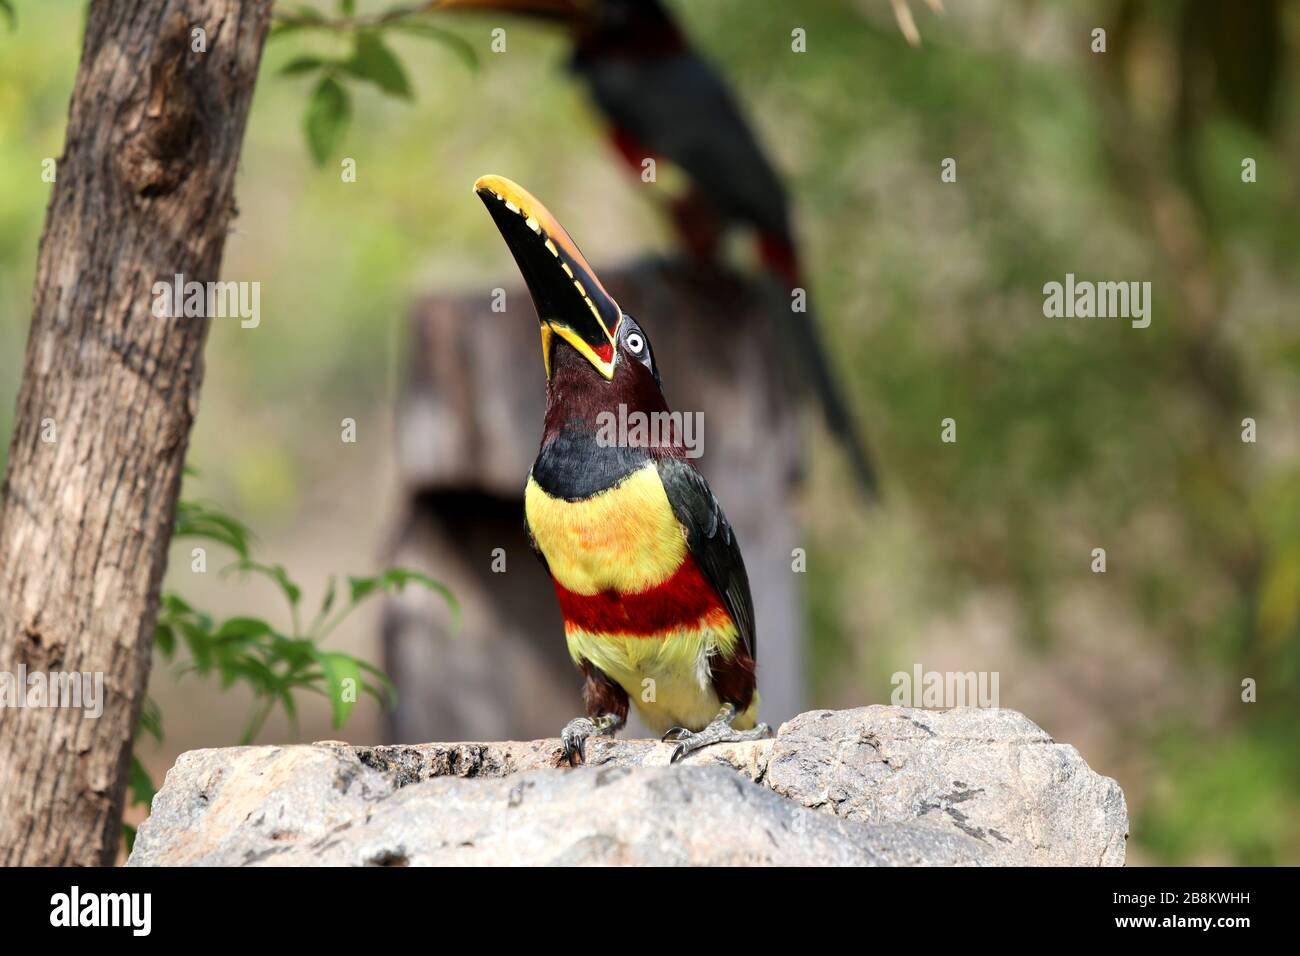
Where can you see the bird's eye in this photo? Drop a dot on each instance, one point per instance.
(635, 343)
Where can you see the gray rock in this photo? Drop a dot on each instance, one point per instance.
(872, 786)
(234, 805)
(992, 775)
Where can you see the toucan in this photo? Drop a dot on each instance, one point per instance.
(647, 570)
(663, 100)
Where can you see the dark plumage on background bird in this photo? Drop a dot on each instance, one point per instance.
(663, 100)
(649, 576)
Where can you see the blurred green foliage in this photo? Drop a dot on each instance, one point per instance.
(1072, 434)
(368, 59)
(274, 663)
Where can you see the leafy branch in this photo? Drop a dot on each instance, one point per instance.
(304, 17)
(362, 54)
(367, 58)
(275, 664)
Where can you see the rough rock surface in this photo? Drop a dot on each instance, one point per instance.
(871, 786)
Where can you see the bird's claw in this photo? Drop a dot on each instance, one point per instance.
(718, 732)
(575, 733)
(574, 737)
(675, 733)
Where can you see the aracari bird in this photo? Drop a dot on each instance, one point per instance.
(648, 573)
(663, 100)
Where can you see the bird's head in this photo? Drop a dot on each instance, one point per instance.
(596, 355)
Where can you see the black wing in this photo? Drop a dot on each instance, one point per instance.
(680, 108)
(711, 543)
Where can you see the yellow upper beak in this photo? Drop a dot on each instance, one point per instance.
(571, 301)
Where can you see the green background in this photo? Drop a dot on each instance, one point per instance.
(1072, 434)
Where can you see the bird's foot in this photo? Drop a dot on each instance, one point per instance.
(719, 731)
(575, 733)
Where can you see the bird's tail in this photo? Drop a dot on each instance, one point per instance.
(800, 332)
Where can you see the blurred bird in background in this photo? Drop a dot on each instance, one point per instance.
(662, 100)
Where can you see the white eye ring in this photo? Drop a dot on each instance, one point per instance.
(635, 343)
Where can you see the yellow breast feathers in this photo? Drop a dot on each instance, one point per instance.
(626, 539)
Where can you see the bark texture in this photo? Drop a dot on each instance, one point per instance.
(145, 190)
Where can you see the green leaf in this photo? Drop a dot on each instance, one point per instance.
(241, 630)
(198, 641)
(141, 784)
(295, 652)
(348, 7)
(302, 64)
(305, 12)
(290, 708)
(260, 677)
(176, 605)
(331, 591)
(343, 672)
(197, 520)
(164, 638)
(396, 579)
(150, 721)
(280, 28)
(311, 681)
(10, 14)
(275, 573)
(457, 44)
(361, 588)
(128, 834)
(372, 60)
(299, 17)
(328, 113)
(228, 669)
(386, 691)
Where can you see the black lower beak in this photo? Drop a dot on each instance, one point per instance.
(570, 300)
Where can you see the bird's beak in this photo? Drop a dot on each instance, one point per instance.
(571, 303)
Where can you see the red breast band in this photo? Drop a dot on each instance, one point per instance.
(681, 601)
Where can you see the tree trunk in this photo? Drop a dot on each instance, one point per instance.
(144, 191)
